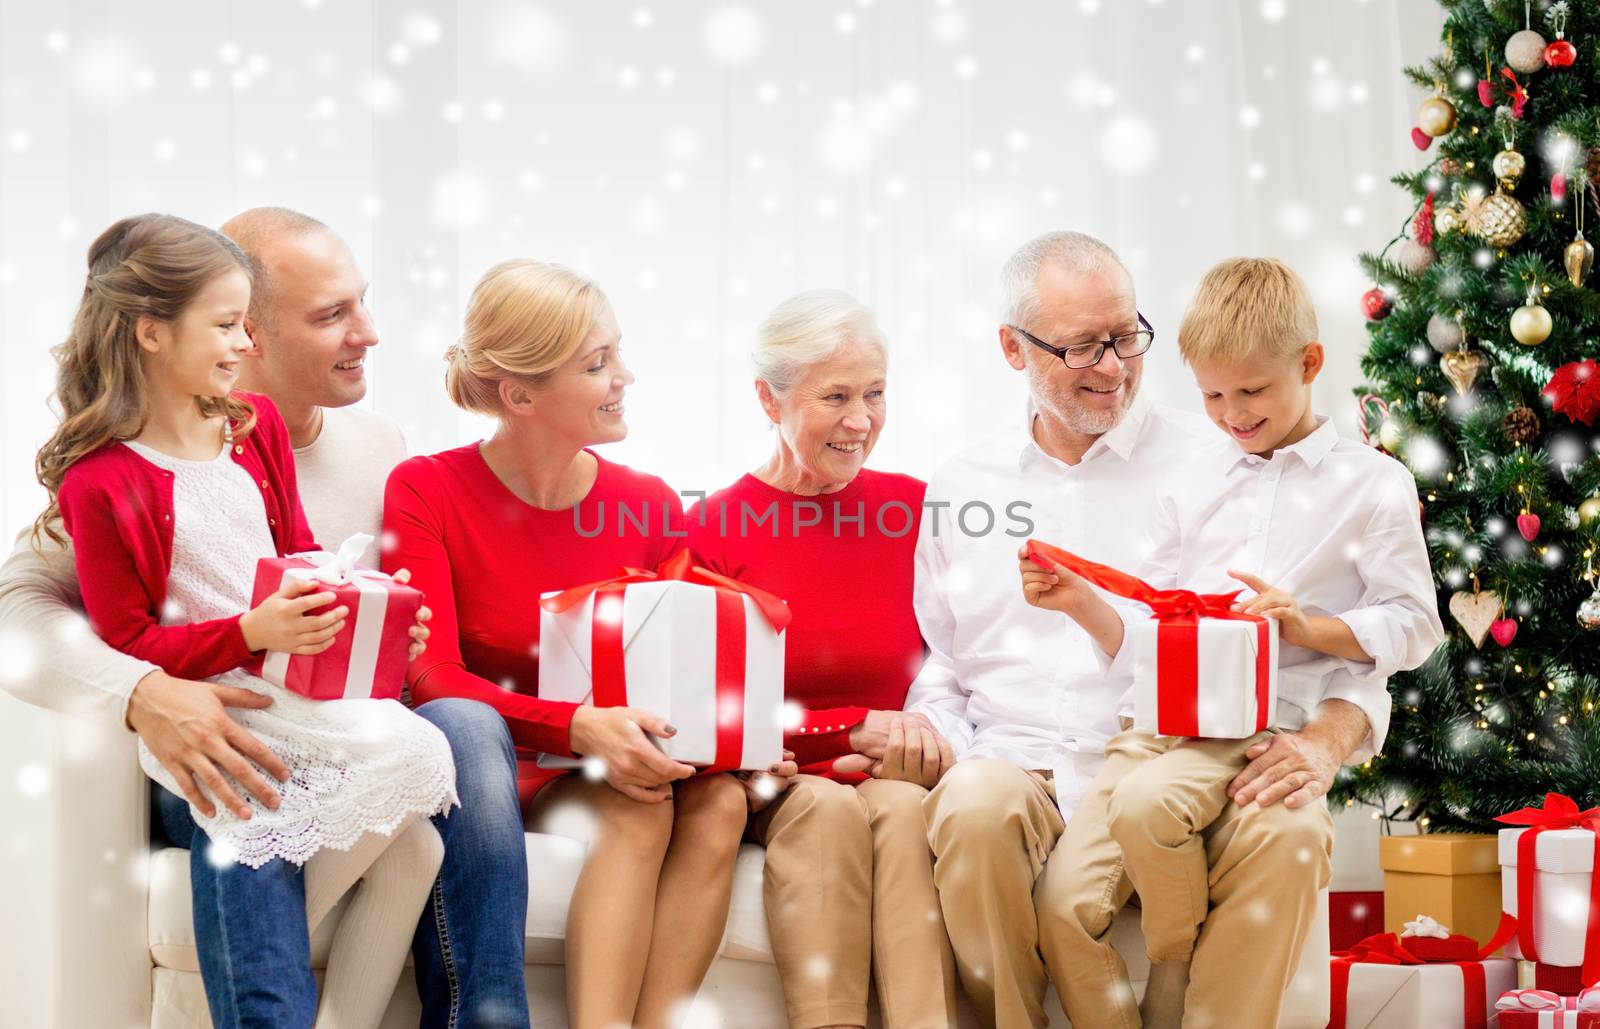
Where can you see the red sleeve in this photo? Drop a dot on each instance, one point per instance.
(278, 453)
(824, 735)
(676, 537)
(414, 539)
(118, 603)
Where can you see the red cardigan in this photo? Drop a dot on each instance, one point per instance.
(853, 644)
(483, 556)
(117, 507)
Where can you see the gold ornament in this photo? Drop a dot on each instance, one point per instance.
(1389, 435)
(1461, 367)
(1508, 167)
(1436, 116)
(1578, 259)
(1589, 611)
(1498, 219)
(1530, 323)
(1589, 510)
(1446, 220)
(1475, 611)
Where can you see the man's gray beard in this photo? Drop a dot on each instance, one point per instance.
(1081, 418)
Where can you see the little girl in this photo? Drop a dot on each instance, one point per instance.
(172, 486)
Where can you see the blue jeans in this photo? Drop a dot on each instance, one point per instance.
(250, 924)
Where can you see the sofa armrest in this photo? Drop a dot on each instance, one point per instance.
(102, 849)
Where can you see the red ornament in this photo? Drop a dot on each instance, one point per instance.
(1574, 390)
(1504, 630)
(1558, 187)
(1422, 224)
(1377, 305)
(1560, 54)
(1486, 92)
(1528, 525)
(1421, 139)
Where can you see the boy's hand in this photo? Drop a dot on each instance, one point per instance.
(282, 622)
(1054, 588)
(1271, 602)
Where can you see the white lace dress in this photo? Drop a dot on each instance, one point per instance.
(356, 766)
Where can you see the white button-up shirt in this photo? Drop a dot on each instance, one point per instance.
(1330, 521)
(1005, 679)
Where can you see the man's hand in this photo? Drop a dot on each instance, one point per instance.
(915, 753)
(1272, 602)
(184, 725)
(419, 631)
(1294, 767)
(871, 735)
(629, 761)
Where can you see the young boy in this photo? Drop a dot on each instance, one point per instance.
(1326, 534)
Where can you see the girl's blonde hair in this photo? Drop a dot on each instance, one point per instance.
(148, 266)
(1246, 306)
(524, 319)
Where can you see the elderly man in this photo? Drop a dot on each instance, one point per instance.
(309, 322)
(1023, 696)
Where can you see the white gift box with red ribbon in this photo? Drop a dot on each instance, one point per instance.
(368, 657)
(1563, 869)
(1208, 677)
(707, 659)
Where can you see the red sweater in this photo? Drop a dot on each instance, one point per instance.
(483, 556)
(117, 507)
(853, 644)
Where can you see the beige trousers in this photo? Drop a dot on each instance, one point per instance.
(849, 893)
(992, 827)
(1233, 888)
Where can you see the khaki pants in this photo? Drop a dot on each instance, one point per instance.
(992, 826)
(849, 888)
(1235, 888)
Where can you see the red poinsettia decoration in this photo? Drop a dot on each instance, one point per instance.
(1574, 390)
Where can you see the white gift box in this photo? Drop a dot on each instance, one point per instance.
(1226, 654)
(669, 641)
(1565, 861)
(1410, 996)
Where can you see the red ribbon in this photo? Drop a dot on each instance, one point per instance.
(607, 664)
(1389, 949)
(1559, 812)
(1177, 637)
(1519, 95)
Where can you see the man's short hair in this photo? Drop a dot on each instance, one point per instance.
(253, 230)
(1245, 307)
(1074, 251)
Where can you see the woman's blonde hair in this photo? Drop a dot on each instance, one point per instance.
(809, 328)
(147, 266)
(524, 320)
(1246, 306)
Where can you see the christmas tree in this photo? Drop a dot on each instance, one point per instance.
(1484, 323)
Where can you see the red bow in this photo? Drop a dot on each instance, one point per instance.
(1559, 812)
(1389, 949)
(1519, 95)
(677, 568)
(1165, 603)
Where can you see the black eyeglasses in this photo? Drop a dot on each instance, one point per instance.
(1087, 355)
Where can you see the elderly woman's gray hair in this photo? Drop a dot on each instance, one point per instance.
(1073, 251)
(806, 330)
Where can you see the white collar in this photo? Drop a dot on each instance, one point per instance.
(1119, 440)
(1310, 450)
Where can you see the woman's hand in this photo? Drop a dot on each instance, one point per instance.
(282, 621)
(629, 760)
(762, 788)
(915, 754)
(419, 631)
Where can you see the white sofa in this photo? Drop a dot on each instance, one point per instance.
(133, 928)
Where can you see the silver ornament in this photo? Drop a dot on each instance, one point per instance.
(1525, 52)
(1445, 334)
(1414, 257)
(1589, 611)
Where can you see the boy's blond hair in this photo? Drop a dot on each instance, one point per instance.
(1246, 307)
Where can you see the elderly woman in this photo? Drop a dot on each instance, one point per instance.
(485, 529)
(849, 881)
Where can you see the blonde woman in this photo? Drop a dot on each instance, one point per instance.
(485, 529)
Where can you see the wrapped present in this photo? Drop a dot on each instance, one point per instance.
(699, 649)
(368, 657)
(1454, 876)
(1200, 668)
(1545, 1009)
(1548, 883)
(1384, 983)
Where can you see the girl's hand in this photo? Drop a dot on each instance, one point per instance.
(1054, 588)
(419, 631)
(1271, 602)
(282, 622)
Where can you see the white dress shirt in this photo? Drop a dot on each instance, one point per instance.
(1005, 679)
(1330, 521)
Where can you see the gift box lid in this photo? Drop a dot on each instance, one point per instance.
(1439, 854)
(1557, 850)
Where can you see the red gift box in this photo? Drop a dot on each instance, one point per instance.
(369, 655)
(1353, 916)
(1542, 1009)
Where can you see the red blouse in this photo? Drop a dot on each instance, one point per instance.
(117, 507)
(482, 556)
(843, 561)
